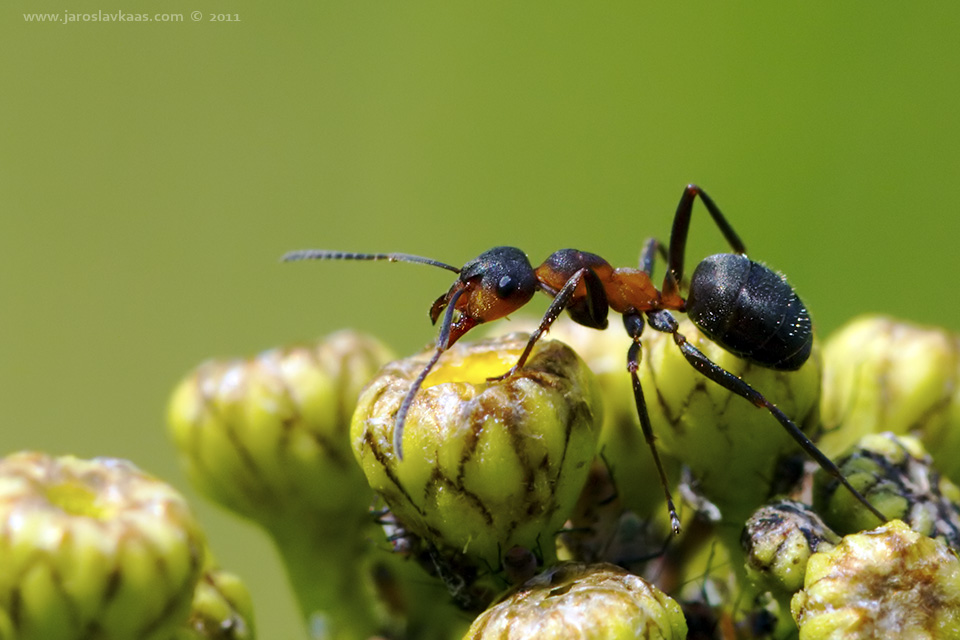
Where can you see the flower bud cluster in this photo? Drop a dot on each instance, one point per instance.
(514, 496)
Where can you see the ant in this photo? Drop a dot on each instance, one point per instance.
(742, 305)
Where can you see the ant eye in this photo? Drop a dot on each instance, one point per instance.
(506, 287)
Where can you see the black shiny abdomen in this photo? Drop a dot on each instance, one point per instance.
(750, 311)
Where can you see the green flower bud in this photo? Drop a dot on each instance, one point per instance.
(624, 449)
(731, 446)
(93, 549)
(221, 609)
(487, 465)
(887, 583)
(897, 476)
(268, 437)
(885, 375)
(583, 602)
(779, 539)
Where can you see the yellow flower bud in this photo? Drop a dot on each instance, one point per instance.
(887, 583)
(898, 477)
(624, 449)
(268, 437)
(221, 609)
(487, 465)
(881, 374)
(779, 539)
(582, 602)
(731, 446)
(93, 549)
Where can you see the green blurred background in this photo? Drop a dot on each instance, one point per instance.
(152, 174)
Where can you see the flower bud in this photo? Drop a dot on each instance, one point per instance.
(898, 477)
(586, 602)
(881, 374)
(488, 465)
(731, 446)
(221, 609)
(93, 549)
(622, 445)
(778, 539)
(891, 582)
(268, 437)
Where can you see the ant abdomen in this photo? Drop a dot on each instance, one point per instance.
(751, 311)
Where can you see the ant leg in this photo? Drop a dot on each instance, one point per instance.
(595, 308)
(591, 310)
(633, 322)
(678, 235)
(443, 343)
(663, 321)
(651, 247)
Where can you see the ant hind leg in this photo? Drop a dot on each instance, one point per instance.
(678, 235)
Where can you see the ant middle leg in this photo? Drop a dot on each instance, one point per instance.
(633, 323)
(665, 322)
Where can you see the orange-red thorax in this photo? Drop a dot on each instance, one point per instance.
(626, 289)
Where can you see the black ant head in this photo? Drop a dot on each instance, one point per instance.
(495, 283)
(751, 311)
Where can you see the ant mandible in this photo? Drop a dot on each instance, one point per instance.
(742, 305)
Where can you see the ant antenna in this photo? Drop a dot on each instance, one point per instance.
(321, 254)
(443, 343)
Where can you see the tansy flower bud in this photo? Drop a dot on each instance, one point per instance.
(221, 609)
(93, 548)
(267, 437)
(582, 602)
(731, 446)
(622, 445)
(887, 583)
(487, 466)
(778, 539)
(881, 374)
(898, 477)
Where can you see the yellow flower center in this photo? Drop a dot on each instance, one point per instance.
(76, 499)
(475, 369)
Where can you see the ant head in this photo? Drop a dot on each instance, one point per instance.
(495, 284)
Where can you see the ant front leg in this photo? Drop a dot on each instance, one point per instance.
(591, 312)
(633, 323)
(678, 235)
(665, 322)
